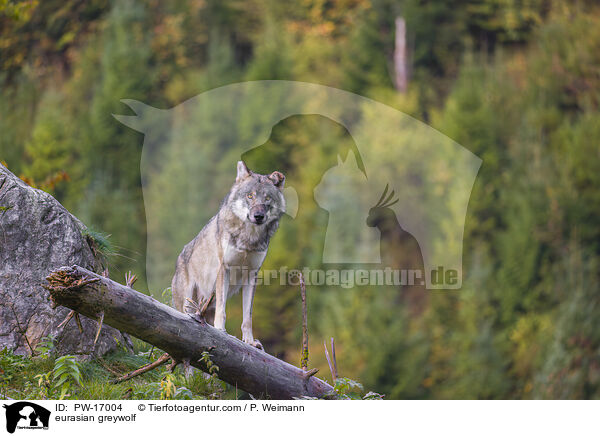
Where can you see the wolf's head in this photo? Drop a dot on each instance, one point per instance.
(257, 198)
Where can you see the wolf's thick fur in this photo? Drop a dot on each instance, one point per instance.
(234, 240)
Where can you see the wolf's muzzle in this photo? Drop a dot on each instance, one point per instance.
(258, 214)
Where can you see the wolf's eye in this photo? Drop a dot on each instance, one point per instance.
(250, 196)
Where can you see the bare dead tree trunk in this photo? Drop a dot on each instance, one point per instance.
(181, 336)
(304, 357)
(400, 56)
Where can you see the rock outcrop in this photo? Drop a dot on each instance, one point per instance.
(38, 235)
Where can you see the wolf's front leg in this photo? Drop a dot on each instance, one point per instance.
(221, 289)
(248, 299)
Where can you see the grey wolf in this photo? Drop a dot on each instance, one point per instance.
(235, 239)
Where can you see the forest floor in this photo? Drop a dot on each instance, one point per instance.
(48, 377)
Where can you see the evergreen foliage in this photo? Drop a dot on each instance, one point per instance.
(517, 83)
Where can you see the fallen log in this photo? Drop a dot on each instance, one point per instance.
(184, 338)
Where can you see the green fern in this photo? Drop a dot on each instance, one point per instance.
(67, 372)
(45, 347)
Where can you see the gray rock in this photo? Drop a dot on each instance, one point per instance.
(38, 235)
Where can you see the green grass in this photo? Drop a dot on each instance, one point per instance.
(48, 377)
(20, 378)
(99, 243)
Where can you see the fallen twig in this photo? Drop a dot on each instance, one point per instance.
(100, 321)
(20, 329)
(162, 359)
(67, 319)
(78, 321)
(130, 279)
(331, 361)
(108, 368)
(334, 358)
(200, 307)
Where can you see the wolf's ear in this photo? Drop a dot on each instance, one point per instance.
(242, 171)
(278, 179)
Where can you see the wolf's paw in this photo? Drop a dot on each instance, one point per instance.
(255, 343)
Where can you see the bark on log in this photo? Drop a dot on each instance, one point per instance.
(178, 334)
